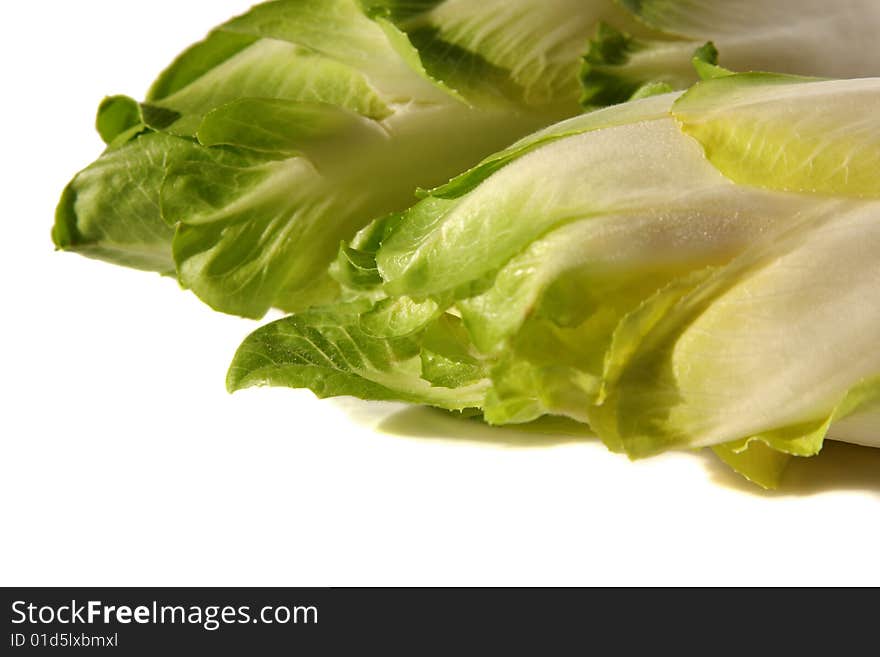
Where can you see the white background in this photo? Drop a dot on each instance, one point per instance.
(125, 462)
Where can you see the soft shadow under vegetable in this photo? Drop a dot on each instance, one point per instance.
(840, 466)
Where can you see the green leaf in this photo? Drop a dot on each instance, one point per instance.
(763, 459)
(705, 62)
(614, 69)
(314, 117)
(606, 271)
(650, 89)
(242, 221)
(539, 42)
(787, 36)
(448, 356)
(269, 70)
(399, 317)
(782, 133)
(727, 362)
(467, 181)
(445, 244)
(112, 210)
(757, 462)
(282, 127)
(119, 119)
(325, 351)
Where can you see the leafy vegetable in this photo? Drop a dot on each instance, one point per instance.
(807, 37)
(680, 271)
(288, 128)
(291, 126)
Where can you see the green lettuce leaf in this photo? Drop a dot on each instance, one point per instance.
(325, 350)
(785, 36)
(619, 270)
(289, 128)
